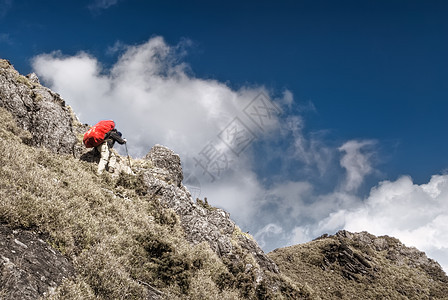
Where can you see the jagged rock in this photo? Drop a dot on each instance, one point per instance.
(396, 252)
(164, 158)
(352, 264)
(200, 222)
(37, 109)
(252, 247)
(29, 267)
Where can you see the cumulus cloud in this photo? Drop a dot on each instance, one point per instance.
(238, 192)
(150, 95)
(417, 214)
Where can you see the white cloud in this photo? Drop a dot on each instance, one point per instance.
(149, 94)
(356, 162)
(311, 151)
(290, 197)
(299, 235)
(415, 214)
(288, 98)
(237, 192)
(116, 48)
(269, 231)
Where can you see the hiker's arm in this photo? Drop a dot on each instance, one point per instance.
(117, 138)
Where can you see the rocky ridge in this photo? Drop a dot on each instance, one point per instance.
(200, 222)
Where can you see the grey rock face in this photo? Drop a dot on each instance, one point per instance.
(352, 264)
(37, 109)
(164, 158)
(29, 267)
(200, 222)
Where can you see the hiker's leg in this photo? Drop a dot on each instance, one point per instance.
(104, 151)
(112, 160)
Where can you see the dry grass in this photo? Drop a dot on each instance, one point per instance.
(118, 238)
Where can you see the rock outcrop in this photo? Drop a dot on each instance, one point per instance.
(200, 221)
(164, 159)
(37, 109)
(395, 252)
(352, 264)
(29, 267)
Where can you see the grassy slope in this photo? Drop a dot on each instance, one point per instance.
(119, 240)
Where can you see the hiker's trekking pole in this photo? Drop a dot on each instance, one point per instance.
(127, 153)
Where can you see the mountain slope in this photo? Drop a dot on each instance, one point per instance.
(129, 236)
(360, 265)
(142, 236)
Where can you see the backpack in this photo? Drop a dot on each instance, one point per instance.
(95, 135)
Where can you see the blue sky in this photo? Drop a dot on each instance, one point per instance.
(361, 88)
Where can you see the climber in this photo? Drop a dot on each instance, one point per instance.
(108, 154)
